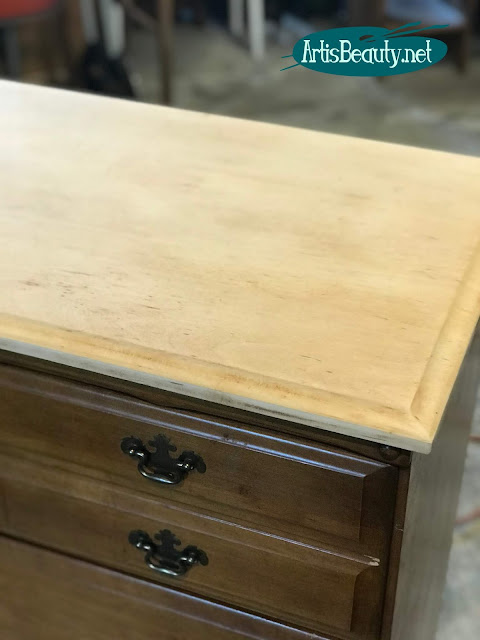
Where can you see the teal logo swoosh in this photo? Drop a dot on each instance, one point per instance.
(369, 51)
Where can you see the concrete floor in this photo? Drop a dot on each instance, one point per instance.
(434, 108)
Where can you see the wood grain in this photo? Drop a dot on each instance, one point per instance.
(326, 280)
(434, 487)
(318, 588)
(52, 597)
(283, 484)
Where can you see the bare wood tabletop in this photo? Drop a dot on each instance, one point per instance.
(327, 280)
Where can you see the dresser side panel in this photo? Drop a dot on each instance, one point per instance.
(435, 482)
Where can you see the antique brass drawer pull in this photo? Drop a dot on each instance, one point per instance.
(163, 557)
(157, 465)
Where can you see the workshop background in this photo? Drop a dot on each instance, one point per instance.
(225, 57)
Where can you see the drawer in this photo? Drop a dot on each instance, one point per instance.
(284, 485)
(46, 596)
(319, 588)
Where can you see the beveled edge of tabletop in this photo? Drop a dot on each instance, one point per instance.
(215, 396)
(414, 430)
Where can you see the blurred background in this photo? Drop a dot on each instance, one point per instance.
(225, 57)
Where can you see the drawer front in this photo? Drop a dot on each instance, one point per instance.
(283, 485)
(313, 587)
(46, 596)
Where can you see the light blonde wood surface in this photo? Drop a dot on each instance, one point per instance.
(327, 280)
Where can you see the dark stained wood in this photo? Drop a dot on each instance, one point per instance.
(434, 484)
(46, 596)
(283, 485)
(395, 551)
(195, 406)
(166, 19)
(430, 514)
(318, 588)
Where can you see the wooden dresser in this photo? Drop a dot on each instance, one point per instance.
(237, 375)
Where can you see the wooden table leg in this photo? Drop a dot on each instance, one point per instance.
(165, 14)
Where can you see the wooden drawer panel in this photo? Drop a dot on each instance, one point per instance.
(46, 596)
(317, 588)
(286, 486)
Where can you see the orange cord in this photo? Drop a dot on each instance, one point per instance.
(470, 517)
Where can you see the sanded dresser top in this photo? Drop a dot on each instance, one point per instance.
(328, 280)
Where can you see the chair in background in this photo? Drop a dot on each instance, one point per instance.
(13, 13)
(238, 19)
